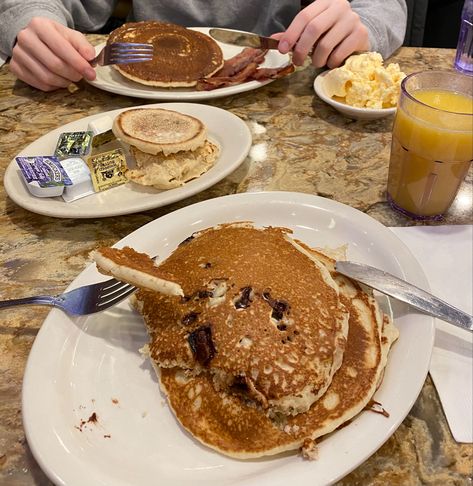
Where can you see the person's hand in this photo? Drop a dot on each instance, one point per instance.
(48, 55)
(331, 27)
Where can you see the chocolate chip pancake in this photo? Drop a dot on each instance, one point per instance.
(261, 317)
(128, 265)
(221, 421)
(181, 56)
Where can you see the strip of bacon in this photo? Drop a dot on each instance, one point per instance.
(214, 82)
(243, 67)
(240, 61)
(262, 74)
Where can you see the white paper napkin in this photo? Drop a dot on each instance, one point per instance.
(445, 253)
(3, 58)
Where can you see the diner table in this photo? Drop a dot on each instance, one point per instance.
(299, 144)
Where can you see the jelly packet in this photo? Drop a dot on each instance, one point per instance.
(43, 175)
(73, 144)
(107, 169)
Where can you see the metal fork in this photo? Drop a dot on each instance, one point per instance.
(123, 53)
(88, 299)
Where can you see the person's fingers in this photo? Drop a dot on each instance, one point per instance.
(297, 26)
(356, 41)
(314, 31)
(43, 54)
(58, 39)
(84, 48)
(30, 70)
(329, 41)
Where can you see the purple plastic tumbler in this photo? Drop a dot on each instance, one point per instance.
(464, 56)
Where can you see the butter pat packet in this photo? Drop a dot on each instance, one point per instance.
(100, 125)
(79, 174)
(104, 142)
(44, 175)
(73, 144)
(107, 169)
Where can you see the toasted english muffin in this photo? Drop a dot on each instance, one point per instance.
(173, 170)
(156, 130)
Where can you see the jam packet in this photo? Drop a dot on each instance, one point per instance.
(107, 169)
(73, 144)
(44, 175)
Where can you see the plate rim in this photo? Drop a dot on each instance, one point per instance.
(281, 196)
(183, 95)
(173, 195)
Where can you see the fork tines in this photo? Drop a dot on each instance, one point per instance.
(129, 52)
(114, 291)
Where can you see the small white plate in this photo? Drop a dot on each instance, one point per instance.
(230, 132)
(109, 79)
(347, 110)
(79, 366)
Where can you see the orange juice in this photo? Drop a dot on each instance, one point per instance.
(431, 151)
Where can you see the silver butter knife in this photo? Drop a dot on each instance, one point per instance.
(400, 289)
(243, 39)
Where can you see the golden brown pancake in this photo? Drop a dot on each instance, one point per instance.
(227, 424)
(181, 56)
(128, 265)
(260, 314)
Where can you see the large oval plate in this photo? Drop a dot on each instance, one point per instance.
(230, 132)
(92, 364)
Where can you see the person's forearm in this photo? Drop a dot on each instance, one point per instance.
(15, 15)
(386, 22)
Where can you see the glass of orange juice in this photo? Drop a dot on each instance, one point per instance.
(432, 142)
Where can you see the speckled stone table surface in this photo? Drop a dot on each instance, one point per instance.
(299, 144)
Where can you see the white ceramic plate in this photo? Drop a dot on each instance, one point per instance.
(109, 79)
(225, 128)
(82, 365)
(347, 110)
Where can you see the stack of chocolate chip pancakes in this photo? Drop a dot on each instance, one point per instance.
(261, 347)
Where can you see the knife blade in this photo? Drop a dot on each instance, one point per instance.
(243, 39)
(400, 289)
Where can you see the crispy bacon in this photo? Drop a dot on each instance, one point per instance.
(240, 61)
(243, 67)
(272, 73)
(213, 82)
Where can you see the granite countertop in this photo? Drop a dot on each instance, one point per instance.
(299, 144)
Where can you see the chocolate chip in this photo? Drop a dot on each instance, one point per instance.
(244, 301)
(189, 318)
(202, 345)
(282, 327)
(279, 307)
(185, 298)
(207, 265)
(203, 294)
(239, 384)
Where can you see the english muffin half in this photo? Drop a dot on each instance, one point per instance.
(156, 130)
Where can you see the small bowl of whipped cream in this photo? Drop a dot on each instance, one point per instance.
(362, 88)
